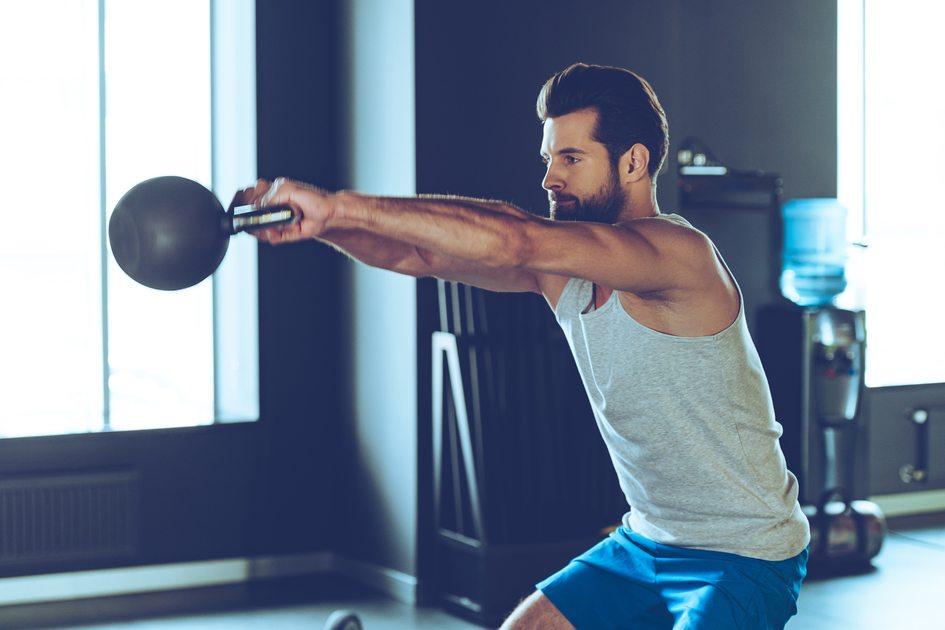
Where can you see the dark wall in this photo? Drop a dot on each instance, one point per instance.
(300, 294)
(756, 81)
(479, 68)
(196, 487)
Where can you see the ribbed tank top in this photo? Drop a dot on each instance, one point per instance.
(690, 428)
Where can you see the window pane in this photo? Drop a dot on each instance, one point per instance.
(50, 260)
(905, 213)
(158, 123)
(234, 165)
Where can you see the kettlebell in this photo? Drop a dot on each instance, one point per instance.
(844, 533)
(170, 233)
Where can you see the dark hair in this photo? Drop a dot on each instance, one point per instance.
(628, 111)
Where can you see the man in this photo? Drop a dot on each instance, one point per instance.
(715, 537)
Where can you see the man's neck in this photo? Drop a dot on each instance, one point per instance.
(641, 203)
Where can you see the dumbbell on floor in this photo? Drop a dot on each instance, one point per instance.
(343, 620)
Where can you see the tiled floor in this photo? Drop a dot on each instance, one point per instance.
(905, 592)
(376, 613)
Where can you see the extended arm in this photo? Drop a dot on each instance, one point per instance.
(374, 249)
(641, 256)
(470, 240)
(386, 253)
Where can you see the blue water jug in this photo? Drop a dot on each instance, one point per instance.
(814, 251)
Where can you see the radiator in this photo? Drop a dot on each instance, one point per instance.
(63, 518)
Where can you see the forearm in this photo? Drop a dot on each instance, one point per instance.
(484, 232)
(385, 252)
(372, 249)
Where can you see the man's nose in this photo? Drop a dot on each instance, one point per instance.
(552, 181)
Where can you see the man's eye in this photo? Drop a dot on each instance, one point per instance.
(568, 159)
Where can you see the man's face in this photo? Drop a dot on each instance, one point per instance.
(582, 183)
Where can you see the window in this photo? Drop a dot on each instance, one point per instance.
(891, 119)
(99, 95)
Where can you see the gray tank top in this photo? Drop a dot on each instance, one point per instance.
(690, 428)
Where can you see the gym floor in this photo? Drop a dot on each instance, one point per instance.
(903, 592)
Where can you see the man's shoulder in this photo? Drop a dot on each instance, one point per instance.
(663, 224)
(673, 236)
(693, 256)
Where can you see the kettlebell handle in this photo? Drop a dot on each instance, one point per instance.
(830, 493)
(822, 519)
(258, 219)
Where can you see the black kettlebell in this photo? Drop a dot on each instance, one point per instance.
(844, 533)
(170, 232)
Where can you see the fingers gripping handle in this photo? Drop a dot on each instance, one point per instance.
(260, 218)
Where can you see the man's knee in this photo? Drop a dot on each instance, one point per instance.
(536, 612)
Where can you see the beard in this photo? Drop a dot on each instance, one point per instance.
(604, 206)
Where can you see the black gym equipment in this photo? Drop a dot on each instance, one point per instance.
(815, 364)
(521, 481)
(170, 232)
(844, 535)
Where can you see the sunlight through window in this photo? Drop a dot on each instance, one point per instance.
(124, 94)
(891, 129)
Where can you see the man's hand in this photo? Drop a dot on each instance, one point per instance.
(313, 206)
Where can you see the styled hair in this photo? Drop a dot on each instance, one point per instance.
(628, 111)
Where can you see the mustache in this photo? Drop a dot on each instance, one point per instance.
(561, 198)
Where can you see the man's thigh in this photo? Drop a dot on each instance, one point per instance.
(536, 612)
(589, 596)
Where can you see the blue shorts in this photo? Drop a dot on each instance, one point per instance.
(630, 578)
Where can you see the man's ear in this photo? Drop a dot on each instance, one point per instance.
(633, 164)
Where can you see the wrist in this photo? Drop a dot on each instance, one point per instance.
(337, 203)
(344, 209)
